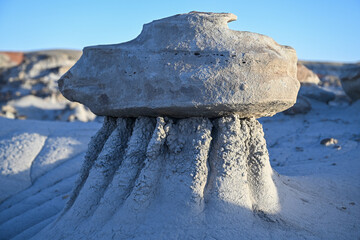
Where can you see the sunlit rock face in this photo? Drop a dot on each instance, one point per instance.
(306, 76)
(187, 65)
(180, 154)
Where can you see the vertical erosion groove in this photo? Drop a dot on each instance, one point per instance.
(125, 176)
(201, 148)
(211, 161)
(263, 189)
(228, 179)
(95, 146)
(146, 184)
(185, 169)
(104, 168)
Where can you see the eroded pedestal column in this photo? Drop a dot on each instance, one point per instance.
(172, 174)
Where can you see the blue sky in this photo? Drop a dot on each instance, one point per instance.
(318, 29)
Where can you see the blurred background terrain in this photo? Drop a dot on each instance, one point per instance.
(28, 86)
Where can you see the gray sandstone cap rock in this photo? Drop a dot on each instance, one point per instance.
(186, 65)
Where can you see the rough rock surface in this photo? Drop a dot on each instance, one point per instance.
(350, 81)
(306, 76)
(329, 141)
(161, 173)
(183, 66)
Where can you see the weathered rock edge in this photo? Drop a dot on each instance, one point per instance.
(187, 65)
(163, 178)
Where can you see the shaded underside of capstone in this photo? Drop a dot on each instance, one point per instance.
(165, 178)
(265, 109)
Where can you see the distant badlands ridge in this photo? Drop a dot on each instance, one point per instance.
(29, 90)
(14, 58)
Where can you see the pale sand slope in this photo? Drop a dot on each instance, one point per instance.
(31, 150)
(320, 198)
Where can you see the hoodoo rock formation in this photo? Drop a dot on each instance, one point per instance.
(180, 154)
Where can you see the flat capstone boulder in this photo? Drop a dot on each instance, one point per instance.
(187, 65)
